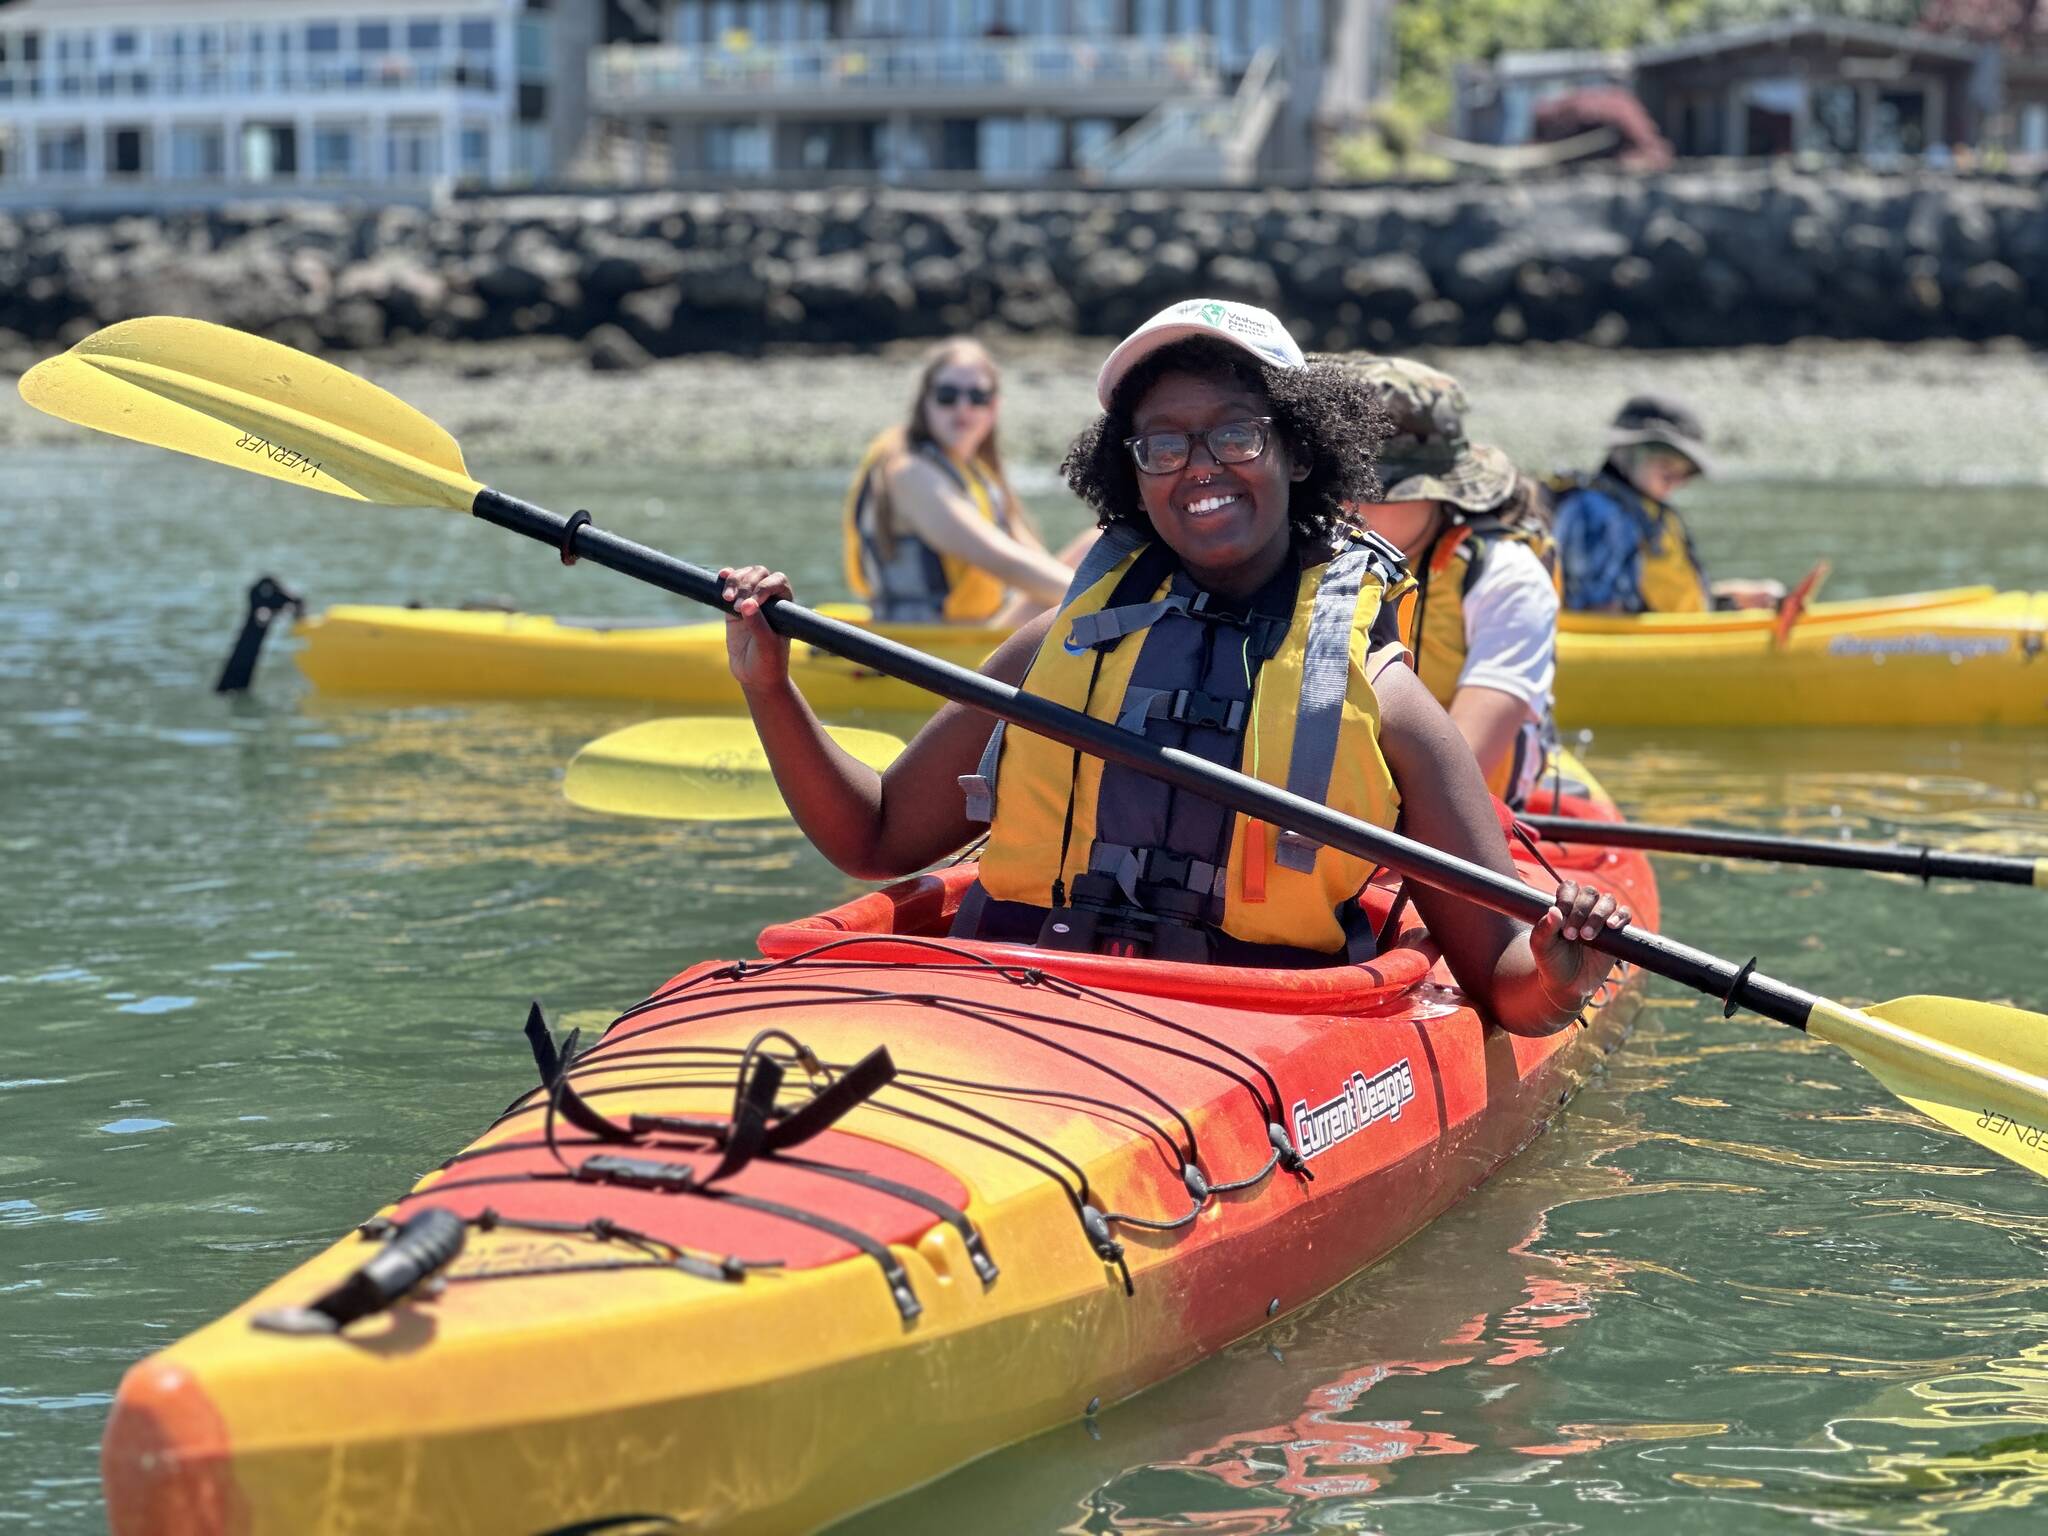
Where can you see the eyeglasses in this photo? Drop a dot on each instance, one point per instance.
(1234, 442)
(953, 394)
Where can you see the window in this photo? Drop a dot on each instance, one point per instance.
(60, 152)
(373, 36)
(124, 44)
(323, 37)
(477, 36)
(423, 36)
(270, 151)
(533, 50)
(530, 156)
(475, 146)
(198, 152)
(2034, 128)
(336, 152)
(414, 152)
(738, 149)
(1019, 146)
(1092, 134)
(127, 151)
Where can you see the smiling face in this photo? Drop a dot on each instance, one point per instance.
(1227, 522)
(956, 423)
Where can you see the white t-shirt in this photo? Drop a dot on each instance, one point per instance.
(1511, 628)
(1511, 647)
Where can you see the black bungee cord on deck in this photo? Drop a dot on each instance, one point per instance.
(760, 1127)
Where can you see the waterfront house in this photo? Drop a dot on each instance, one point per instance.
(148, 103)
(1153, 91)
(1819, 85)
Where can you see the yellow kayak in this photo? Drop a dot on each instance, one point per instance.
(357, 648)
(1967, 657)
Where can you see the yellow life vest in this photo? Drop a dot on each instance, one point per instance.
(1669, 575)
(1300, 732)
(1434, 627)
(1671, 579)
(901, 576)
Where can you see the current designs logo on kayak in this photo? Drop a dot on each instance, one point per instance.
(288, 458)
(1358, 1104)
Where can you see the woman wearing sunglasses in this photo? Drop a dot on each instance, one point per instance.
(933, 532)
(1228, 609)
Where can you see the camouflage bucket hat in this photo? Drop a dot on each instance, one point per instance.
(1427, 456)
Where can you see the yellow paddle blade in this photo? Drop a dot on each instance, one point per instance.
(697, 769)
(1978, 1068)
(252, 404)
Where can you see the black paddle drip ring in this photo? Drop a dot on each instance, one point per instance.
(1728, 1002)
(577, 519)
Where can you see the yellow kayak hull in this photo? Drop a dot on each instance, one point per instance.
(1966, 658)
(369, 650)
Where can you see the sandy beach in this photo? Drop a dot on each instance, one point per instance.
(1930, 413)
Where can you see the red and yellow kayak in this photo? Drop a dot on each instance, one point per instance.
(735, 1270)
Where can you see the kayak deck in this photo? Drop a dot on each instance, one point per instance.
(1071, 1189)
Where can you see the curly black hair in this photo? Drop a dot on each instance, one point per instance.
(1325, 413)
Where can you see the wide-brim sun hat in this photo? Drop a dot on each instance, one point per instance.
(1479, 479)
(1426, 455)
(1658, 421)
(1257, 332)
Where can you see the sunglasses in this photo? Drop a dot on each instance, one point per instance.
(1234, 442)
(953, 394)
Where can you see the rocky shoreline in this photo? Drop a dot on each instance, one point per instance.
(1925, 414)
(1688, 259)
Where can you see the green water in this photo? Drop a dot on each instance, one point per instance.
(263, 962)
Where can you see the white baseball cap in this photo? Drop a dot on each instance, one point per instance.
(1257, 331)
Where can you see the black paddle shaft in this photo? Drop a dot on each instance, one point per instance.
(1885, 858)
(577, 538)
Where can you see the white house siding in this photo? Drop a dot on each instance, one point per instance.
(134, 99)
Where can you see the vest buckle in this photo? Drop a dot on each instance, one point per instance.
(1191, 706)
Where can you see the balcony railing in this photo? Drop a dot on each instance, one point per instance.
(214, 78)
(875, 69)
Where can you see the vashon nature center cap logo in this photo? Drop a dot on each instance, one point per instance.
(1212, 312)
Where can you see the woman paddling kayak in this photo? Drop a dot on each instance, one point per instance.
(933, 531)
(1219, 470)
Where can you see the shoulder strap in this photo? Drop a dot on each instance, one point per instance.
(1108, 551)
(1325, 682)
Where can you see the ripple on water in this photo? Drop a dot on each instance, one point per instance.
(160, 1004)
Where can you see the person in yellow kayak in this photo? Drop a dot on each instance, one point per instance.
(1229, 608)
(1622, 547)
(1483, 626)
(933, 532)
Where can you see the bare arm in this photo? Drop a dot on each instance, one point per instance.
(1531, 982)
(1489, 720)
(935, 509)
(874, 826)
